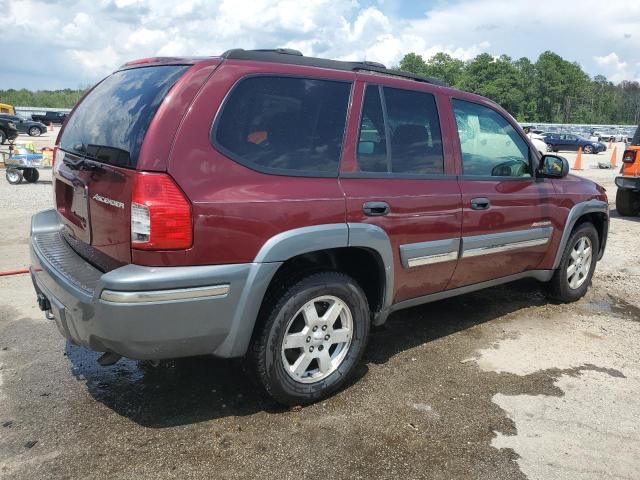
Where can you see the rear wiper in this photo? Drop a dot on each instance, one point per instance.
(81, 164)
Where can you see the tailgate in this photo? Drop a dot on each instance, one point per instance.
(95, 166)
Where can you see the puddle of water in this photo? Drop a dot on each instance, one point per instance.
(615, 306)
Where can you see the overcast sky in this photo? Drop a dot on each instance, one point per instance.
(49, 44)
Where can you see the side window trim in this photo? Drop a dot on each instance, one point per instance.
(464, 176)
(213, 141)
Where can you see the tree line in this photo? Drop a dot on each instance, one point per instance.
(66, 98)
(549, 90)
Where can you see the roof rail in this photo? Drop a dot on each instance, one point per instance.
(294, 57)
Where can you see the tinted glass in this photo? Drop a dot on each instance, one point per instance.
(372, 144)
(490, 145)
(413, 131)
(416, 143)
(110, 123)
(284, 124)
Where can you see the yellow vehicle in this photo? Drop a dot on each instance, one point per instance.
(8, 109)
(628, 195)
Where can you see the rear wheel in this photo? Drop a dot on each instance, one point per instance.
(34, 132)
(572, 278)
(3, 137)
(588, 149)
(31, 175)
(13, 176)
(549, 148)
(311, 339)
(627, 202)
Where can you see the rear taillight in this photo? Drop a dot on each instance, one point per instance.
(58, 157)
(629, 156)
(160, 214)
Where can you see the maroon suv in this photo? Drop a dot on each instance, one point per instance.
(275, 206)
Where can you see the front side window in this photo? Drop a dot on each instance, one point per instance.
(284, 124)
(405, 141)
(490, 146)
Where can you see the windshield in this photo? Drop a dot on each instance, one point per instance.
(110, 123)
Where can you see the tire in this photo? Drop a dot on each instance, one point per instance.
(31, 175)
(588, 149)
(274, 364)
(627, 202)
(549, 148)
(34, 132)
(13, 176)
(570, 284)
(3, 137)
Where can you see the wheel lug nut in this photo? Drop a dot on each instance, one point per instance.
(308, 339)
(324, 327)
(320, 347)
(311, 348)
(326, 337)
(315, 328)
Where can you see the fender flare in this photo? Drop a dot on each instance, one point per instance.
(291, 243)
(577, 211)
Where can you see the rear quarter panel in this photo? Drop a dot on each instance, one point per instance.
(236, 209)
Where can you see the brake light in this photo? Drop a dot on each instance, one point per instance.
(629, 156)
(160, 214)
(58, 156)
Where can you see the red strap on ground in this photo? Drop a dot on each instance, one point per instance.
(14, 272)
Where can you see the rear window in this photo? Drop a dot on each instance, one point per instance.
(110, 123)
(284, 125)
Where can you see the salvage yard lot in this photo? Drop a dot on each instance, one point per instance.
(498, 384)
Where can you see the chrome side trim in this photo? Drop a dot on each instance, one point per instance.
(475, 252)
(152, 296)
(505, 241)
(428, 253)
(431, 259)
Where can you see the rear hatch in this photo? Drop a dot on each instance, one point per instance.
(95, 166)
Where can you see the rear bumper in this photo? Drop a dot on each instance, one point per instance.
(628, 183)
(146, 312)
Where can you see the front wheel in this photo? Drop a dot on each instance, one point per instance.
(588, 149)
(3, 137)
(627, 202)
(311, 339)
(13, 176)
(572, 278)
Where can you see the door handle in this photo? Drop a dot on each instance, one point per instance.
(480, 203)
(375, 209)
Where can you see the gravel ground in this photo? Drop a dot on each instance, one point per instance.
(499, 384)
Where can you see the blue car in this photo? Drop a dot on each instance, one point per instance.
(568, 141)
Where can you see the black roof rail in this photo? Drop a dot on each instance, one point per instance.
(294, 57)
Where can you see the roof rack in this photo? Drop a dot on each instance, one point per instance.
(295, 57)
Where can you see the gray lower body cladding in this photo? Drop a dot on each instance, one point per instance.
(146, 312)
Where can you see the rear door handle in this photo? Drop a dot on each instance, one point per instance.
(480, 203)
(375, 209)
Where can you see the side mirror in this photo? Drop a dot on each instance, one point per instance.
(553, 166)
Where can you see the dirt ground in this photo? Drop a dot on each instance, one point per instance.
(498, 384)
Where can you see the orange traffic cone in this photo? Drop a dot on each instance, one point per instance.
(578, 164)
(51, 127)
(614, 157)
(609, 147)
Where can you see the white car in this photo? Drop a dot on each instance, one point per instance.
(538, 142)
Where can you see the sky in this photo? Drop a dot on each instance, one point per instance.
(51, 44)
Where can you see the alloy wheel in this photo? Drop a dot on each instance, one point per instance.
(579, 263)
(317, 339)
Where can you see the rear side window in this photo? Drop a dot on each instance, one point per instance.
(407, 140)
(110, 123)
(284, 125)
